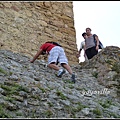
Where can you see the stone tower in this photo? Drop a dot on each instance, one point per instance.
(24, 26)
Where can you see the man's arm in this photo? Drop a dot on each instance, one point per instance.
(79, 52)
(97, 39)
(37, 55)
(81, 47)
(84, 47)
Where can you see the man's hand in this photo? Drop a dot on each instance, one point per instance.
(31, 61)
(97, 47)
(36, 56)
(77, 55)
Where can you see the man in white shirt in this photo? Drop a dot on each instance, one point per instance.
(82, 46)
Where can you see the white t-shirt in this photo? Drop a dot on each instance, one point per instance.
(82, 45)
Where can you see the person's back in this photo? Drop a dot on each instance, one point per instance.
(47, 47)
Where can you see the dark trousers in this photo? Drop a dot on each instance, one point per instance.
(90, 52)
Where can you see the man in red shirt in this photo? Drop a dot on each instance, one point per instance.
(56, 54)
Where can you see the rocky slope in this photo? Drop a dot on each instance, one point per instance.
(32, 90)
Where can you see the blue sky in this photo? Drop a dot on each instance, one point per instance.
(103, 17)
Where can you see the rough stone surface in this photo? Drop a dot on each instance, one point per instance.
(31, 90)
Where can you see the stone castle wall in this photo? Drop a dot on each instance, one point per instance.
(24, 26)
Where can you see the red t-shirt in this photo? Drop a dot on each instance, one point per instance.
(47, 46)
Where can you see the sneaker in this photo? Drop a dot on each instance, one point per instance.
(73, 78)
(61, 72)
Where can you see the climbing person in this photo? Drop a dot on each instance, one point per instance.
(56, 55)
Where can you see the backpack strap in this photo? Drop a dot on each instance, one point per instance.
(94, 35)
(100, 44)
(54, 43)
(95, 41)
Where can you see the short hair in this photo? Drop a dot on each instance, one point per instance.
(84, 34)
(88, 28)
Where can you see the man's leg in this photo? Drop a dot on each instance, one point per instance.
(94, 51)
(88, 53)
(53, 66)
(64, 63)
(86, 57)
(67, 67)
(53, 60)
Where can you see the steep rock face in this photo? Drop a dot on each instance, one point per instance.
(32, 90)
(24, 26)
(106, 67)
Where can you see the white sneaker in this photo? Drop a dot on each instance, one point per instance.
(61, 72)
